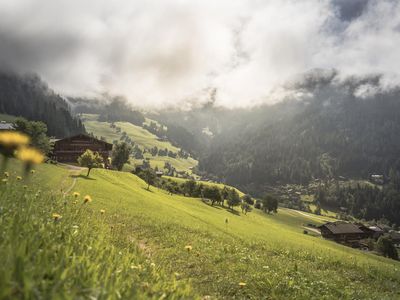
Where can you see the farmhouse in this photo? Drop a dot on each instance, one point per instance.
(343, 232)
(69, 149)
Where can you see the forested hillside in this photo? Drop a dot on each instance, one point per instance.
(333, 134)
(28, 96)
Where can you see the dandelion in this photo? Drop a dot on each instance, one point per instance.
(87, 199)
(19, 178)
(56, 216)
(6, 174)
(76, 194)
(102, 211)
(188, 248)
(13, 139)
(30, 156)
(33, 171)
(242, 284)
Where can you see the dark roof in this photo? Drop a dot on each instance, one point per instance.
(81, 135)
(342, 227)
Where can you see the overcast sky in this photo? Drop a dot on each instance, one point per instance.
(172, 51)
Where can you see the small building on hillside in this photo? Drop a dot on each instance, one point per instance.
(69, 149)
(6, 126)
(343, 232)
(377, 231)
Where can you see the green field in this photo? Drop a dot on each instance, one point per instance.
(269, 253)
(143, 138)
(7, 118)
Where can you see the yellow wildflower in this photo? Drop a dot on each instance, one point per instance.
(242, 284)
(76, 194)
(33, 171)
(87, 199)
(56, 216)
(30, 155)
(19, 178)
(153, 265)
(13, 139)
(102, 211)
(188, 248)
(6, 174)
(4, 180)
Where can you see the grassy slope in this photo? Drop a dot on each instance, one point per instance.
(7, 118)
(143, 138)
(78, 257)
(268, 252)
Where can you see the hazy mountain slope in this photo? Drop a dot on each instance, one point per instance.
(28, 96)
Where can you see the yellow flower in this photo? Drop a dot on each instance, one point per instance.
(87, 199)
(30, 155)
(56, 216)
(76, 194)
(188, 248)
(242, 284)
(13, 139)
(19, 178)
(33, 171)
(6, 174)
(75, 202)
(153, 265)
(102, 211)
(5, 180)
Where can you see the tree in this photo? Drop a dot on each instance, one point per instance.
(189, 187)
(149, 177)
(90, 160)
(120, 155)
(247, 199)
(37, 131)
(233, 198)
(270, 204)
(212, 193)
(385, 246)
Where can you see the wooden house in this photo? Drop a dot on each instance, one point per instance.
(343, 232)
(69, 149)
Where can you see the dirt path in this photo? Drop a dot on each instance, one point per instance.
(73, 171)
(311, 216)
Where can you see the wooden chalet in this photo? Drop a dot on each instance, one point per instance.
(344, 232)
(69, 149)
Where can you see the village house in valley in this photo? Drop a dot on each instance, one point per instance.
(343, 232)
(69, 149)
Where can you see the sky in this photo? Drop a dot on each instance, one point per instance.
(183, 52)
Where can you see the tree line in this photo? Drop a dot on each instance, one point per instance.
(29, 97)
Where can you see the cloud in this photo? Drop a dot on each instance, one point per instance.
(174, 52)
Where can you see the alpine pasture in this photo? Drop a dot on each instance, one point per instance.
(130, 242)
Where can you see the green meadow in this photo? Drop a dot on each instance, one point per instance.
(143, 138)
(148, 244)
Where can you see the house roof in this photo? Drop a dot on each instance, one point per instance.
(342, 227)
(6, 126)
(81, 135)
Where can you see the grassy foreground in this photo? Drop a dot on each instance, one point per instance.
(268, 254)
